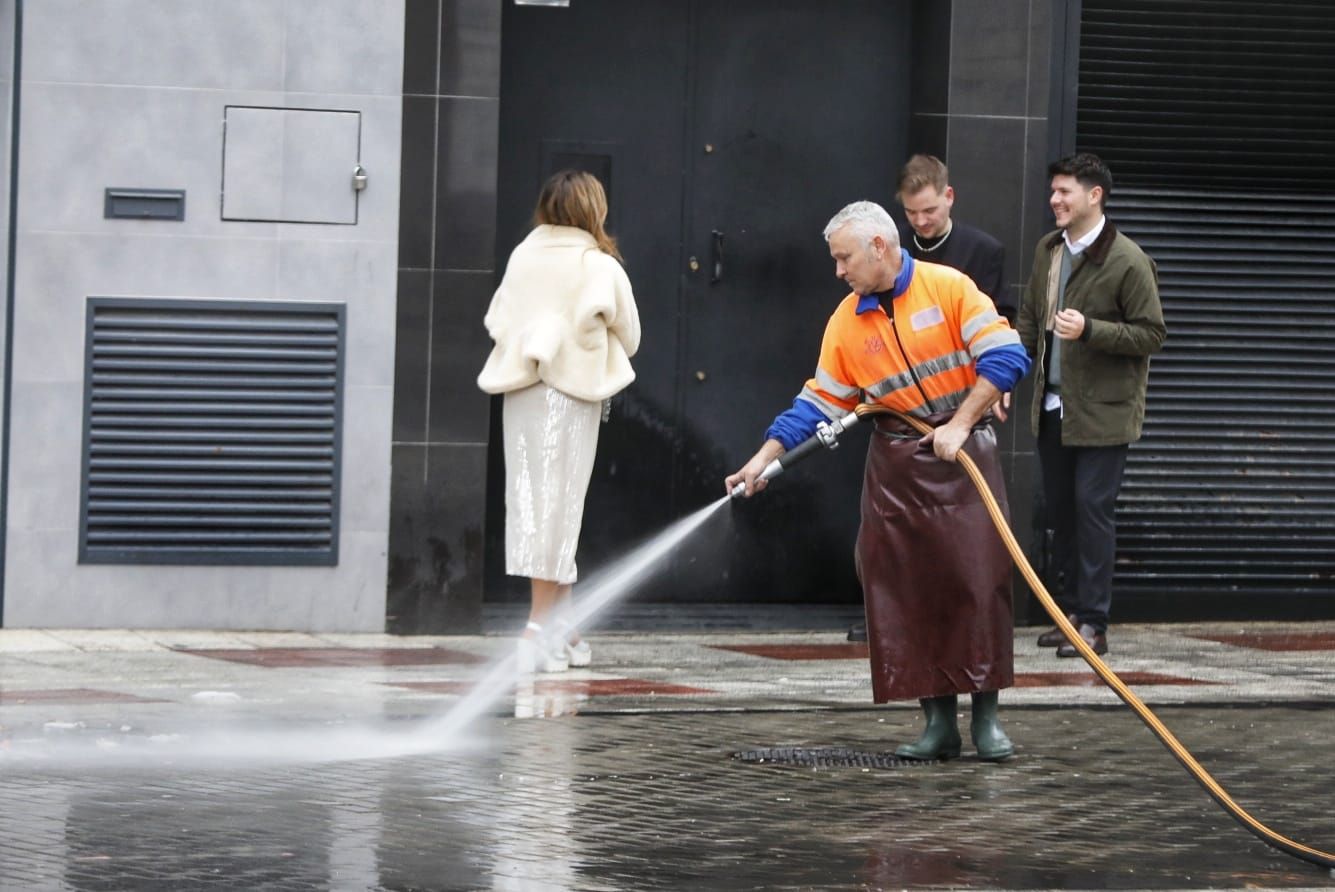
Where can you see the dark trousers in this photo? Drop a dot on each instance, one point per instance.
(1080, 485)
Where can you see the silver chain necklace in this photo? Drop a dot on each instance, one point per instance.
(949, 229)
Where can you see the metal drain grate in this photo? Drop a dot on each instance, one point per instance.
(823, 757)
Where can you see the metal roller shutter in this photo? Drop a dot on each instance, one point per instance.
(1233, 485)
(211, 432)
(1214, 94)
(1216, 117)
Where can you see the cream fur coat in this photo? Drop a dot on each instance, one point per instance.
(564, 315)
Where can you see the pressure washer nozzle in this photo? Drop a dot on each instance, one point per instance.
(826, 437)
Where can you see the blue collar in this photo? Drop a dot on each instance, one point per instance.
(869, 302)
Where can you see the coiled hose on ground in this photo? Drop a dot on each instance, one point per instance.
(1169, 740)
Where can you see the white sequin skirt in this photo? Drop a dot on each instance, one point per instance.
(550, 441)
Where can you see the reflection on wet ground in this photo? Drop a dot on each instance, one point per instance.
(656, 801)
(188, 760)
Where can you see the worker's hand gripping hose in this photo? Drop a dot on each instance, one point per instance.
(1180, 752)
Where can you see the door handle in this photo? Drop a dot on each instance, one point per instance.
(716, 258)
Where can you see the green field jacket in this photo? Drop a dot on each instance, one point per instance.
(1115, 285)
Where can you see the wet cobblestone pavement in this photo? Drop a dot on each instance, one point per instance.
(227, 761)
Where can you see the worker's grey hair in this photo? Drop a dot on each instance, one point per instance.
(868, 220)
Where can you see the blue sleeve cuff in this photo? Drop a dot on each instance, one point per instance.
(797, 424)
(1004, 366)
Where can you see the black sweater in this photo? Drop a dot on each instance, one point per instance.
(972, 252)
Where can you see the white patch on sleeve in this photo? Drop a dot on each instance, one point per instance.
(927, 318)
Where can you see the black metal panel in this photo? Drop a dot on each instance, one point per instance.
(212, 432)
(1232, 488)
(1227, 94)
(774, 150)
(737, 117)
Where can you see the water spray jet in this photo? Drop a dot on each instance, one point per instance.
(607, 586)
(211, 745)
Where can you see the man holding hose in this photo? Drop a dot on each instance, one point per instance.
(921, 339)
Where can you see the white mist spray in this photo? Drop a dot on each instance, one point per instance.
(219, 744)
(606, 587)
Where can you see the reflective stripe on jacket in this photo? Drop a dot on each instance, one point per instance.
(920, 363)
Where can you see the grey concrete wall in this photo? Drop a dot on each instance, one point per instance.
(132, 93)
(7, 47)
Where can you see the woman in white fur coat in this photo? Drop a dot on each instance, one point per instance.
(565, 326)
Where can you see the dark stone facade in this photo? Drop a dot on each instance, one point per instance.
(980, 100)
(447, 235)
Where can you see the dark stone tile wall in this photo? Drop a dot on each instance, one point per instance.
(417, 197)
(986, 158)
(929, 83)
(447, 235)
(470, 48)
(436, 545)
(465, 184)
(981, 93)
(459, 346)
(412, 362)
(989, 58)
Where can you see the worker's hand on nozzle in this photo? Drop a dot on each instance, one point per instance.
(749, 477)
(1001, 408)
(749, 474)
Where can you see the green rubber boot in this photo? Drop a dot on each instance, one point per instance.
(941, 738)
(991, 742)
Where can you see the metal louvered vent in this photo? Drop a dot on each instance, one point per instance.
(1232, 488)
(1210, 93)
(211, 432)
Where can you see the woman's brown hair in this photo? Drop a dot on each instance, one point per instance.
(576, 198)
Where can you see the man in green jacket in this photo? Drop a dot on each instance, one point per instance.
(1090, 318)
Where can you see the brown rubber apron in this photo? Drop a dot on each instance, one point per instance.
(936, 577)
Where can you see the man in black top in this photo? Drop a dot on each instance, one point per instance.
(927, 197)
(925, 192)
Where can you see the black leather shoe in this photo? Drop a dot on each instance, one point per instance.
(858, 632)
(1096, 640)
(1053, 637)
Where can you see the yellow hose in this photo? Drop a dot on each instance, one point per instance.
(1180, 752)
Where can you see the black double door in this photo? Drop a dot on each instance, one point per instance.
(727, 133)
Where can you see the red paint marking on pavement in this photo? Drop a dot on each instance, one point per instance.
(588, 687)
(1090, 680)
(1282, 641)
(799, 651)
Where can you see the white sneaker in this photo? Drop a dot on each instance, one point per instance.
(578, 655)
(538, 653)
(553, 656)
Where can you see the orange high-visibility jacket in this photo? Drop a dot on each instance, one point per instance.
(922, 361)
